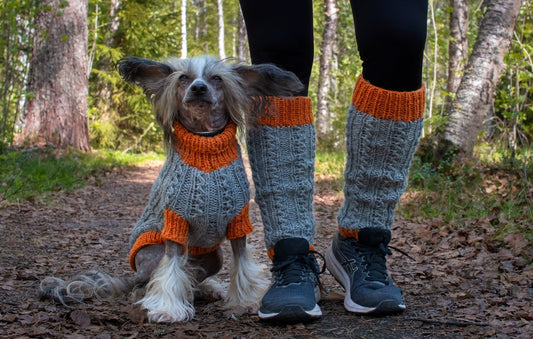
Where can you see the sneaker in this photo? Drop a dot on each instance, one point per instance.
(360, 267)
(295, 290)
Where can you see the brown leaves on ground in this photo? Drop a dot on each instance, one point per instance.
(460, 284)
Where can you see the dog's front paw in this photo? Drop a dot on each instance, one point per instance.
(165, 315)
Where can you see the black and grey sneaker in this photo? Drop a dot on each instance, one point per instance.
(360, 267)
(295, 290)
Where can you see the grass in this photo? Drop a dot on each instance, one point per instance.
(28, 175)
(329, 170)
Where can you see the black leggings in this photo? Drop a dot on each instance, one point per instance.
(391, 35)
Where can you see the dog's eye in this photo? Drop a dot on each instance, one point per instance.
(184, 77)
(216, 78)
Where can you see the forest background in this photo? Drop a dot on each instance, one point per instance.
(490, 179)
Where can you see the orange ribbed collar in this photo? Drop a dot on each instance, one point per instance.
(206, 153)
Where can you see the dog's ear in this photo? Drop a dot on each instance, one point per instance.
(269, 80)
(147, 74)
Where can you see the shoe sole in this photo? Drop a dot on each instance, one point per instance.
(292, 314)
(387, 306)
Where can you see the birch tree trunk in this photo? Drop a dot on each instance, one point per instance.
(475, 94)
(221, 43)
(324, 77)
(184, 50)
(242, 54)
(457, 47)
(57, 110)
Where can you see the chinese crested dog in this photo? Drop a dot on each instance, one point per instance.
(201, 195)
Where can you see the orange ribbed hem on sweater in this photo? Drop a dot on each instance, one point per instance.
(388, 105)
(155, 238)
(206, 153)
(176, 228)
(290, 112)
(145, 239)
(271, 253)
(240, 225)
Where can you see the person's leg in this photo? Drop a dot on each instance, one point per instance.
(282, 153)
(384, 124)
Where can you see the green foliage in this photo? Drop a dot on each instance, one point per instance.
(28, 175)
(329, 169)
(16, 22)
(513, 106)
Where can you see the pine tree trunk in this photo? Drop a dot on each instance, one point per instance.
(56, 112)
(324, 77)
(457, 47)
(475, 94)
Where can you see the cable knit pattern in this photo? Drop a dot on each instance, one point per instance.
(380, 147)
(196, 196)
(282, 156)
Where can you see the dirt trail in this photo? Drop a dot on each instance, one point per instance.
(461, 284)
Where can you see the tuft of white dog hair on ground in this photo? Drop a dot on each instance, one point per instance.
(93, 283)
(170, 291)
(247, 284)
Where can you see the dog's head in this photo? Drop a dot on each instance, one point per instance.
(204, 93)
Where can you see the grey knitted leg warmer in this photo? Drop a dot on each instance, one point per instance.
(282, 156)
(383, 129)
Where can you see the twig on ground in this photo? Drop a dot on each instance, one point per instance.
(449, 322)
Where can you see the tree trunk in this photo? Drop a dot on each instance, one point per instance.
(221, 30)
(475, 94)
(457, 47)
(242, 54)
(56, 112)
(184, 51)
(324, 76)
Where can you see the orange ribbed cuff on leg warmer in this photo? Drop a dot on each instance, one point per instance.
(346, 233)
(290, 111)
(145, 239)
(271, 253)
(388, 105)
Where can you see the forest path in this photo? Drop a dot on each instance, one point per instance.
(463, 284)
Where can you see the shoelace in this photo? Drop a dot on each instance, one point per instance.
(375, 262)
(293, 266)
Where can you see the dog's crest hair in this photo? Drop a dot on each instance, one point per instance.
(246, 88)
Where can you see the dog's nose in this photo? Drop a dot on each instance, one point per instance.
(198, 88)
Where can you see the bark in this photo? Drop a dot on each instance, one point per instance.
(324, 77)
(457, 47)
(57, 111)
(475, 94)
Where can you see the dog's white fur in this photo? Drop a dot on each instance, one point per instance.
(169, 294)
(247, 285)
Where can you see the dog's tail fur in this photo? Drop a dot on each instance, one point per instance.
(83, 286)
